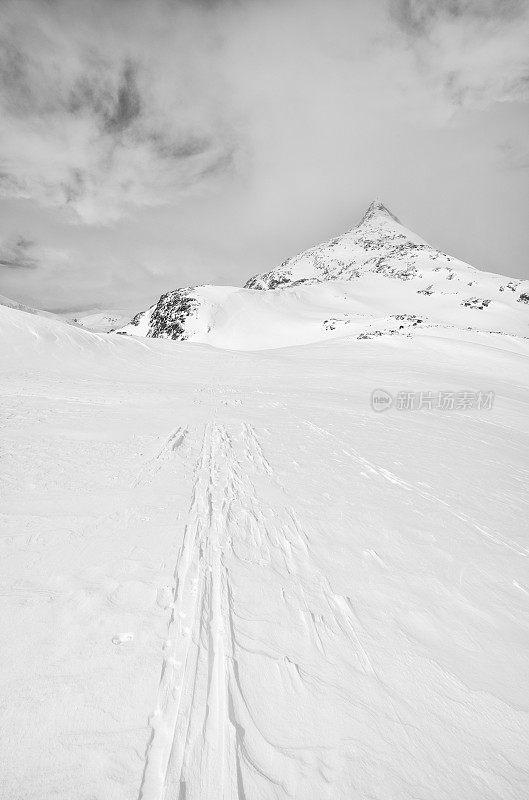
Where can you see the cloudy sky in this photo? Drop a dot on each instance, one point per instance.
(150, 144)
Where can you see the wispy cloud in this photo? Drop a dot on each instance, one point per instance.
(422, 16)
(475, 51)
(98, 118)
(107, 106)
(18, 254)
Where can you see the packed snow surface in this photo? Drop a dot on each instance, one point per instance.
(225, 577)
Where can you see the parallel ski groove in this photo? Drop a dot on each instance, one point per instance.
(192, 752)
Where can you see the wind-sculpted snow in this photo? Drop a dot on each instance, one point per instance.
(225, 577)
(376, 270)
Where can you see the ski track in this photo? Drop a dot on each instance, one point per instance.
(195, 747)
(206, 741)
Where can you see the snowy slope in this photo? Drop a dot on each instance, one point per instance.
(377, 279)
(245, 319)
(224, 577)
(98, 322)
(104, 321)
(5, 301)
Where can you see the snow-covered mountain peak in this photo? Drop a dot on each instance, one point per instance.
(379, 244)
(378, 212)
(377, 278)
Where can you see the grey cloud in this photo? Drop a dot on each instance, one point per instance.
(177, 147)
(92, 93)
(74, 188)
(115, 107)
(221, 164)
(420, 16)
(17, 96)
(474, 51)
(128, 103)
(16, 254)
(99, 113)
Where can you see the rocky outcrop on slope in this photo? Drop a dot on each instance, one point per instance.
(169, 318)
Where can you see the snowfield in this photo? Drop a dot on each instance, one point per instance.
(102, 321)
(225, 577)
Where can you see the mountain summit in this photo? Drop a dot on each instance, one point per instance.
(379, 278)
(378, 210)
(379, 243)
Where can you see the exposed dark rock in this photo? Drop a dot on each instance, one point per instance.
(476, 302)
(171, 313)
